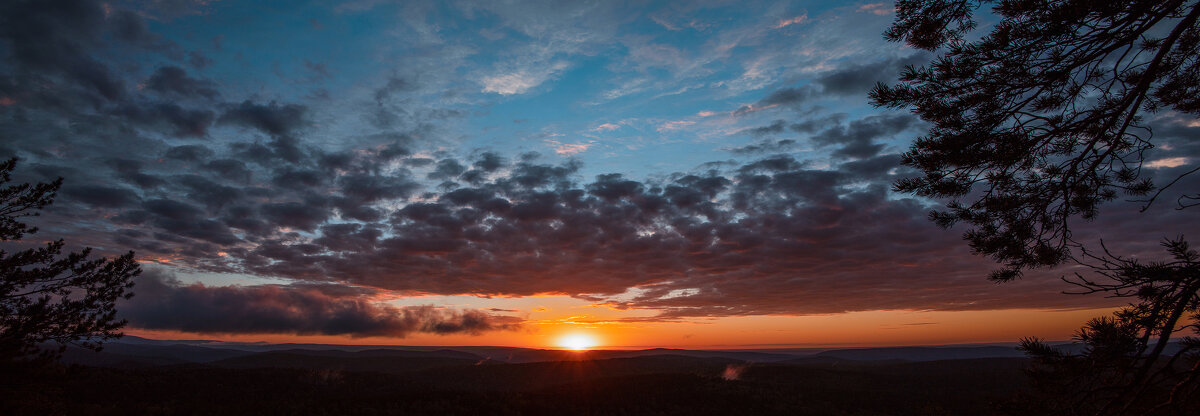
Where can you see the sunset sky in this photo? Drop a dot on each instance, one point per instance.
(652, 174)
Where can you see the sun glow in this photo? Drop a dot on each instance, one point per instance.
(577, 342)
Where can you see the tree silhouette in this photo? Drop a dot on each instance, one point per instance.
(1038, 124)
(1124, 367)
(49, 300)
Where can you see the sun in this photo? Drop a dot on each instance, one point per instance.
(577, 342)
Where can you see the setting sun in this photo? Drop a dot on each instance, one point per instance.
(577, 342)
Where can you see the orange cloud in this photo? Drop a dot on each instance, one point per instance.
(568, 149)
(788, 22)
(1170, 162)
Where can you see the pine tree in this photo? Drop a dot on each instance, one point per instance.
(49, 299)
(1037, 125)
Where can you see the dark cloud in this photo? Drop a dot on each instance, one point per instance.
(786, 97)
(207, 192)
(398, 147)
(385, 210)
(229, 169)
(186, 220)
(130, 171)
(393, 86)
(877, 167)
(298, 179)
(858, 79)
(169, 118)
(101, 196)
(51, 39)
(771, 236)
(775, 127)
(845, 81)
(188, 153)
(174, 81)
(348, 237)
(447, 169)
(273, 118)
(286, 148)
(129, 27)
(531, 175)
(859, 139)
(198, 60)
(365, 188)
(484, 164)
(161, 302)
(489, 162)
(812, 125)
(764, 146)
(302, 216)
(614, 187)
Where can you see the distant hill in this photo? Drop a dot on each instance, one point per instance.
(141, 376)
(547, 374)
(733, 355)
(385, 382)
(374, 361)
(133, 351)
(121, 354)
(922, 353)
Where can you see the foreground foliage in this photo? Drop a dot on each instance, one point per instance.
(1038, 124)
(49, 300)
(1041, 120)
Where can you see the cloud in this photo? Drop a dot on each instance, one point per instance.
(551, 37)
(847, 80)
(508, 84)
(102, 196)
(375, 191)
(568, 149)
(198, 60)
(764, 146)
(769, 237)
(393, 86)
(674, 21)
(858, 79)
(521, 81)
(788, 97)
(173, 80)
(859, 139)
(161, 302)
(169, 118)
(881, 9)
(272, 118)
(674, 125)
(1169, 162)
(791, 21)
(775, 127)
(51, 40)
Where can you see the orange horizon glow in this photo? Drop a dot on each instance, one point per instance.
(547, 330)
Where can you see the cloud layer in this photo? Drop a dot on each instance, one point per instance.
(335, 185)
(303, 309)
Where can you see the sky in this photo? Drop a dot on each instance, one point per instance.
(705, 174)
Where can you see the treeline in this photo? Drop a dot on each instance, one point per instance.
(606, 387)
